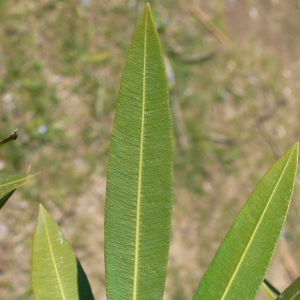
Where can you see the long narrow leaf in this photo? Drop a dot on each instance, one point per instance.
(56, 272)
(292, 292)
(139, 181)
(5, 198)
(269, 290)
(242, 260)
(10, 183)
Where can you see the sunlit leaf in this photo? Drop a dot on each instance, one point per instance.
(242, 260)
(56, 272)
(139, 181)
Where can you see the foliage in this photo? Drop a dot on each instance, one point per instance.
(139, 180)
(9, 184)
(57, 274)
(138, 203)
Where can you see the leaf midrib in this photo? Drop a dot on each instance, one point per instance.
(255, 230)
(53, 259)
(137, 232)
(12, 182)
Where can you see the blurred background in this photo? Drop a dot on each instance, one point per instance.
(234, 72)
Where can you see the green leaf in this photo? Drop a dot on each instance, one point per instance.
(269, 290)
(242, 260)
(10, 183)
(292, 292)
(139, 181)
(56, 272)
(5, 198)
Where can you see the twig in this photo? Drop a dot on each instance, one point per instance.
(179, 122)
(287, 258)
(223, 39)
(198, 58)
(260, 121)
(11, 137)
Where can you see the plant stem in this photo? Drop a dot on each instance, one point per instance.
(11, 137)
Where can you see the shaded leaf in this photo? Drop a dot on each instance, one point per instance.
(56, 272)
(292, 292)
(269, 290)
(5, 198)
(139, 181)
(242, 260)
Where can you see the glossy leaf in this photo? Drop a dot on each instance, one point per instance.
(292, 292)
(242, 260)
(139, 181)
(5, 198)
(56, 272)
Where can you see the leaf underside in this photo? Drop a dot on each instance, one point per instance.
(139, 181)
(56, 272)
(242, 260)
(10, 183)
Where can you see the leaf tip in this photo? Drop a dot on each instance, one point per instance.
(148, 8)
(41, 207)
(28, 169)
(296, 145)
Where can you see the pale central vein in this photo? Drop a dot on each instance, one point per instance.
(255, 230)
(137, 231)
(13, 182)
(53, 259)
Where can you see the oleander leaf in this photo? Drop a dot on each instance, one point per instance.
(240, 264)
(292, 292)
(139, 181)
(9, 184)
(4, 199)
(56, 271)
(269, 290)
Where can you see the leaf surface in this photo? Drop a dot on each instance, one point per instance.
(56, 272)
(269, 290)
(242, 260)
(9, 183)
(139, 181)
(5, 198)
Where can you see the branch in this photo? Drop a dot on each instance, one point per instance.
(11, 137)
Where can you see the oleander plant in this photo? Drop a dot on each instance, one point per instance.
(138, 205)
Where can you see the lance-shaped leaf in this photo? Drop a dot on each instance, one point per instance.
(139, 181)
(292, 292)
(9, 183)
(4, 199)
(269, 290)
(242, 260)
(56, 272)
